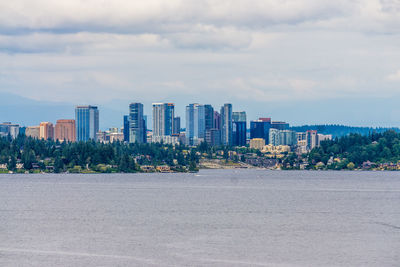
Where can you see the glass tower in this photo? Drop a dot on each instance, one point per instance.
(87, 122)
(239, 128)
(136, 123)
(226, 124)
(163, 119)
(195, 124)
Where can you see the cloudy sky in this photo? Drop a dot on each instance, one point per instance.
(303, 61)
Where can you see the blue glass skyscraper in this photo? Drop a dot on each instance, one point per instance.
(260, 129)
(195, 124)
(136, 123)
(87, 122)
(226, 124)
(239, 129)
(163, 119)
(126, 128)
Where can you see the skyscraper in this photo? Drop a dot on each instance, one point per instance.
(226, 124)
(217, 120)
(65, 130)
(177, 125)
(274, 137)
(126, 128)
(163, 119)
(239, 116)
(239, 128)
(195, 124)
(136, 123)
(260, 129)
(209, 116)
(87, 122)
(7, 128)
(312, 139)
(33, 131)
(280, 125)
(46, 130)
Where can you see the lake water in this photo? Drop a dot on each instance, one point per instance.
(213, 218)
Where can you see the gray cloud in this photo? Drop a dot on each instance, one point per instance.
(255, 51)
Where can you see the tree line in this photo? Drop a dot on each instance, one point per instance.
(69, 156)
(355, 149)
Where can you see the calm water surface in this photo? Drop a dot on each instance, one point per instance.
(213, 218)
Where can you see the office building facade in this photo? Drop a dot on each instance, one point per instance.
(226, 124)
(239, 128)
(177, 126)
(312, 139)
(137, 132)
(217, 120)
(260, 129)
(87, 122)
(195, 124)
(7, 128)
(46, 131)
(239, 116)
(65, 130)
(280, 125)
(239, 131)
(33, 131)
(209, 117)
(163, 120)
(126, 128)
(213, 137)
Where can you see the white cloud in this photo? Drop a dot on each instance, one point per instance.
(394, 76)
(205, 50)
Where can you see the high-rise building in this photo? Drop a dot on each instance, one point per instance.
(226, 124)
(87, 122)
(33, 131)
(239, 128)
(213, 137)
(217, 120)
(126, 128)
(163, 119)
(239, 116)
(46, 131)
(301, 136)
(312, 139)
(274, 137)
(177, 125)
(65, 130)
(195, 124)
(136, 123)
(239, 133)
(189, 132)
(280, 125)
(257, 143)
(145, 128)
(323, 137)
(288, 138)
(7, 128)
(209, 116)
(260, 129)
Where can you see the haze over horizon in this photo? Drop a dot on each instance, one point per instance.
(304, 62)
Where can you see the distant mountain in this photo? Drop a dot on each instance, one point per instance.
(342, 130)
(27, 112)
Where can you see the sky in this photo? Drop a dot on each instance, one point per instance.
(302, 61)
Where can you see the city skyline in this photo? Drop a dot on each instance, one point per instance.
(300, 60)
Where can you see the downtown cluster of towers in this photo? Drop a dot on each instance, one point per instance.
(203, 124)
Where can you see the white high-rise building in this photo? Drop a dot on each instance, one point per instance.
(226, 124)
(163, 119)
(195, 124)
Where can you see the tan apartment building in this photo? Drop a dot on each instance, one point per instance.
(46, 130)
(65, 130)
